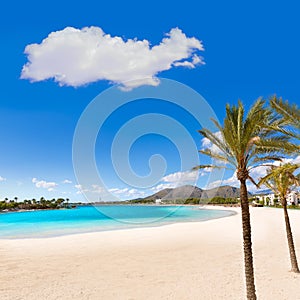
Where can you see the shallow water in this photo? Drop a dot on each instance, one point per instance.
(82, 219)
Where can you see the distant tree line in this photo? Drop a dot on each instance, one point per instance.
(214, 200)
(141, 201)
(42, 203)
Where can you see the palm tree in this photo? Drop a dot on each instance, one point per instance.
(281, 180)
(290, 115)
(60, 201)
(246, 142)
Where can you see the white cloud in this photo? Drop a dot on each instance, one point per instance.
(232, 181)
(176, 179)
(293, 160)
(258, 172)
(80, 189)
(127, 193)
(97, 189)
(44, 184)
(261, 171)
(163, 186)
(207, 144)
(118, 191)
(2, 178)
(76, 57)
(94, 188)
(181, 177)
(67, 181)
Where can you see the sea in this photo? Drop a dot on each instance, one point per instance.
(82, 219)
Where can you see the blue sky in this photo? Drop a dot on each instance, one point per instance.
(251, 50)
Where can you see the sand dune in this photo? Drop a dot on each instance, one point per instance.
(180, 261)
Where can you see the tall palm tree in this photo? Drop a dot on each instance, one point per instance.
(246, 142)
(290, 115)
(281, 180)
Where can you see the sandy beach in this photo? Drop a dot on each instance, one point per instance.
(179, 261)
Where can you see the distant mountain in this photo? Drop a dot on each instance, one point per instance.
(182, 192)
(190, 191)
(263, 192)
(159, 195)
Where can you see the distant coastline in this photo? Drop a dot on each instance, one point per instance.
(14, 205)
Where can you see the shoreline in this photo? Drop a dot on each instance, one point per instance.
(233, 211)
(153, 224)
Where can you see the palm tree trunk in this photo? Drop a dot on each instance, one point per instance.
(248, 258)
(289, 234)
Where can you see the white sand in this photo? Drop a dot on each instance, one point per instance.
(180, 261)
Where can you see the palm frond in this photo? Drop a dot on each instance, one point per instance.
(281, 178)
(214, 140)
(208, 166)
(250, 140)
(276, 146)
(214, 155)
(253, 181)
(290, 113)
(259, 159)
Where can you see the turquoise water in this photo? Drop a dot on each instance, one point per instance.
(49, 223)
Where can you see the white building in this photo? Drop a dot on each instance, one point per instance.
(293, 198)
(158, 201)
(268, 199)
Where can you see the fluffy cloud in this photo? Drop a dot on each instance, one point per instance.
(67, 181)
(207, 144)
(176, 179)
(76, 57)
(232, 181)
(44, 184)
(294, 160)
(163, 186)
(2, 178)
(181, 177)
